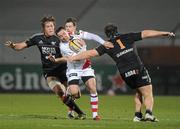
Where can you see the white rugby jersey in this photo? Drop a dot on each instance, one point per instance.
(66, 51)
(89, 36)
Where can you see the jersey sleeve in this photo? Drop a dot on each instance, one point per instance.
(31, 41)
(135, 36)
(101, 50)
(90, 36)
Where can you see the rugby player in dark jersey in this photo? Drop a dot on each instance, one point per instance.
(129, 65)
(55, 74)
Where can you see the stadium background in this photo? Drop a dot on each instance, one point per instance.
(21, 71)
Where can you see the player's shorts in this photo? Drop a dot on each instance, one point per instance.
(59, 73)
(136, 78)
(85, 74)
(76, 82)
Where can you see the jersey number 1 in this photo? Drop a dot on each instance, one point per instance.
(120, 44)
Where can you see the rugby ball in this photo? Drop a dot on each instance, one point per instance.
(76, 45)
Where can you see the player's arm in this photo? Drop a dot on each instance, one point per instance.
(89, 54)
(16, 46)
(84, 55)
(155, 33)
(91, 36)
(57, 60)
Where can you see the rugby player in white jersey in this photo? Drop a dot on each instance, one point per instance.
(78, 69)
(71, 28)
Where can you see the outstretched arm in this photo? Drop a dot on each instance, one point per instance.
(155, 33)
(84, 55)
(16, 46)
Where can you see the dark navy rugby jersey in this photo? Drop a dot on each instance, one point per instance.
(124, 52)
(47, 45)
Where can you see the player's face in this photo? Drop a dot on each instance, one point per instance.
(63, 35)
(49, 29)
(70, 28)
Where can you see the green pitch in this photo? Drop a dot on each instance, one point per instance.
(34, 111)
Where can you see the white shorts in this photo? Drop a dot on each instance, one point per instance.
(76, 74)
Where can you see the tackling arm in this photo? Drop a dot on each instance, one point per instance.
(155, 33)
(16, 46)
(84, 55)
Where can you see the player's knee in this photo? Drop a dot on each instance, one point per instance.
(78, 95)
(56, 86)
(146, 91)
(74, 91)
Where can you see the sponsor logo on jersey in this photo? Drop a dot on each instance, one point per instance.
(40, 42)
(53, 43)
(124, 52)
(48, 50)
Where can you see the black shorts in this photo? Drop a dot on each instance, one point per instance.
(76, 81)
(136, 78)
(58, 73)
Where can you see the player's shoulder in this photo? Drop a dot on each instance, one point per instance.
(81, 32)
(55, 37)
(129, 34)
(36, 35)
(126, 35)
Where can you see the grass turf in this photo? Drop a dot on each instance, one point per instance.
(39, 111)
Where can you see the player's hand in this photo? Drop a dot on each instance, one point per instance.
(108, 45)
(171, 34)
(51, 58)
(10, 44)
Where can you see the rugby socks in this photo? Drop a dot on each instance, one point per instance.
(94, 104)
(149, 111)
(139, 114)
(72, 105)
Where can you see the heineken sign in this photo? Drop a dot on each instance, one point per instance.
(29, 78)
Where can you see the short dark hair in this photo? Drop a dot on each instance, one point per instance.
(47, 19)
(71, 19)
(59, 29)
(110, 30)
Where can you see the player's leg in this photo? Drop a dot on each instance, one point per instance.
(138, 116)
(144, 86)
(90, 82)
(56, 86)
(73, 79)
(146, 92)
(74, 91)
(59, 89)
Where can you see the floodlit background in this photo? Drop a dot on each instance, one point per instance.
(21, 18)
